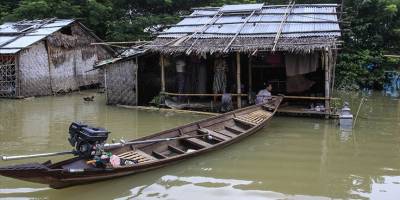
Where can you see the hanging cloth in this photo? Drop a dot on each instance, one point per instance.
(219, 85)
(297, 64)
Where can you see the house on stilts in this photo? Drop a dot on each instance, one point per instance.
(44, 57)
(236, 49)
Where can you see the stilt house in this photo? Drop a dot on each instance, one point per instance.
(292, 46)
(43, 57)
(237, 48)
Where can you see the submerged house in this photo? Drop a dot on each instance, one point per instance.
(236, 49)
(44, 57)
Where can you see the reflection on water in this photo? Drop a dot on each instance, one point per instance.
(292, 159)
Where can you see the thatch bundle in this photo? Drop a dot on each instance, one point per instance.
(77, 39)
(59, 43)
(241, 44)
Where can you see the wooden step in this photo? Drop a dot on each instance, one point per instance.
(198, 142)
(214, 134)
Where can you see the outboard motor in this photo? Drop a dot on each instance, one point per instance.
(87, 141)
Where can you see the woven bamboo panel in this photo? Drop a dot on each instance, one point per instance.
(121, 83)
(136, 155)
(7, 76)
(255, 117)
(34, 71)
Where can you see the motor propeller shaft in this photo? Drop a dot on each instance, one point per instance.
(108, 146)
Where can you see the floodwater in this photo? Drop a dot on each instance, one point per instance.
(294, 158)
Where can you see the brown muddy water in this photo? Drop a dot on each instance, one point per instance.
(293, 158)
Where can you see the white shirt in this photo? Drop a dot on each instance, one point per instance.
(263, 96)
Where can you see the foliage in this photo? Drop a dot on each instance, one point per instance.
(371, 29)
(362, 68)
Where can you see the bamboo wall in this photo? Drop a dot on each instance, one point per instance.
(120, 81)
(71, 59)
(71, 74)
(33, 73)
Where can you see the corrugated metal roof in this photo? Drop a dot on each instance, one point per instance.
(241, 8)
(305, 20)
(15, 36)
(127, 54)
(9, 51)
(24, 41)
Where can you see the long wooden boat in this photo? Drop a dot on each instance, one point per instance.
(225, 129)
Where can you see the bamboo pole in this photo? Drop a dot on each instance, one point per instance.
(136, 80)
(162, 73)
(280, 29)
(326, 59)
(167, 110)
(200, 95)
(330, 64)
(239, 98)
(358, 111)
(334, 60)
(238, 32)
(250, 75)
(310, 98)
(105, 84)
(132, 42)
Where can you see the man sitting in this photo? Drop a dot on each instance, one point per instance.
(264, 95)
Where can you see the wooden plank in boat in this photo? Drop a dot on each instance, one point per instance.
(198, 142)
(227, 133)
(176, 149)
(137, 155)
(235, 129)
(214, 134)
(244, 122)
(159, 155)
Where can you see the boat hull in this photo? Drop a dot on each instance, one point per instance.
(65, 174)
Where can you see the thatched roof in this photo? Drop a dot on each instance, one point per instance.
(252, 27)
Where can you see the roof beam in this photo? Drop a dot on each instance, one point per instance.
(217, 16)
(235, 14)
(266, 22)
(261, 34)
(238, 32)
(278, 34)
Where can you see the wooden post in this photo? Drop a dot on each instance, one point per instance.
(18, 76)
(49, 63)
(239, 98)
(105, 84)
(162, 73)
(333, 69)
(327, 85)
(136, 80)
(250, 76)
